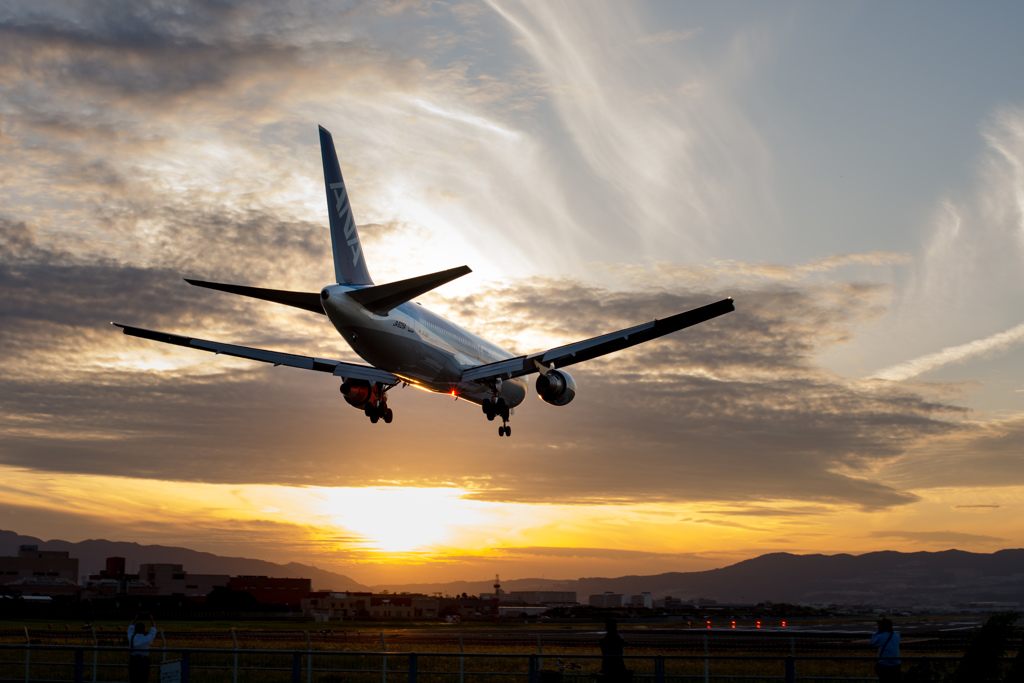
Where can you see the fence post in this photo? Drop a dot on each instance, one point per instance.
(412, 667)
(234, 639)
(28, 653)
(462, 659)
(80, 664)
(707, 668)
(384, 660)
(184, 666)
(659, 669)
(309, 659)
(296, 667)
(791, 669)
(534, 676)
(95, 654)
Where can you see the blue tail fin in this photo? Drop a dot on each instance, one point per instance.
(349, 264)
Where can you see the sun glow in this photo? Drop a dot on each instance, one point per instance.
(401, 519)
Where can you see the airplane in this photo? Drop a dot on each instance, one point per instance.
(404, 343)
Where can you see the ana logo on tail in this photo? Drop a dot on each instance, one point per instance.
(341, 205)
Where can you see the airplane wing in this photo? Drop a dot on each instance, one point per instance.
(587, 349)
(335, 367)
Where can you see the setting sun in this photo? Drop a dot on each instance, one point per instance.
(400, 519)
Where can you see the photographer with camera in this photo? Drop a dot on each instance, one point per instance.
(138, 659)
(888, 643)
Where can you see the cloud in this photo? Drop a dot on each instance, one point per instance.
(962, 292)
(592, 553)
(953, 354)
(654, 155)
(765, 511)
(943, 538)
(669, 421)
(978, 455)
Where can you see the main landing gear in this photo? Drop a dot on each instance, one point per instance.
(378, 412)
(372, 399)
(498, 408)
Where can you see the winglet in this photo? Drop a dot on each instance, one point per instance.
(349, 264)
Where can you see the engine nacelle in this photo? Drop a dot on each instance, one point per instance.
(357, 392)
(557, 387)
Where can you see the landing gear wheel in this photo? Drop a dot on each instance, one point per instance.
(501, 431)
(388, 416)
(508, 430)
(374, 417)
(490, 417)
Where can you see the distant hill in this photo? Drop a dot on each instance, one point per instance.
(887, 578)
(882, 578)
(92, 557)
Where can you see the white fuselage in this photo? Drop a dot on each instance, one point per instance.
(419, 346)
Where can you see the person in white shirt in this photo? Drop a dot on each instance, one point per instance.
(888, 643)
(138, 660)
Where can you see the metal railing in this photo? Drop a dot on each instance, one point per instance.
(83, 664)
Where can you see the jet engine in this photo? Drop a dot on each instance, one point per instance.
(556, 387)
(357, 392)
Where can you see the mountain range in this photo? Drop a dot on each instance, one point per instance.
(886, 578)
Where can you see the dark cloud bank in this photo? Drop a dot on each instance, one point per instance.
(732, 410)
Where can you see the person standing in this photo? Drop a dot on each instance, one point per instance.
(138, 643)
(888, 643)
(613, 664)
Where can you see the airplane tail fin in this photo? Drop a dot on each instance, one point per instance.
(349, 264)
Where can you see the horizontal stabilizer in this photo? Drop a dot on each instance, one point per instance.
(303, 300)
(382, 298)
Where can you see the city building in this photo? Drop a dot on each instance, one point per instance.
(272, 591)
(611, 600)
(40, 572)
(172, 579)
(548, 598)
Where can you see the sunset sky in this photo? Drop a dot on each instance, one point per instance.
(852, 174)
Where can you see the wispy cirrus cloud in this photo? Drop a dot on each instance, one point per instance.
(953, 354)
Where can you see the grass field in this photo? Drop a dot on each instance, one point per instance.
(231, 651)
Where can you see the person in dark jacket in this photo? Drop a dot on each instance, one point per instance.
(613, 666)
(888, 643)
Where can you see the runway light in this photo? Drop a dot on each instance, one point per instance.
(734, 624)
(783, 624)
(709, 623)
(759, 624)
